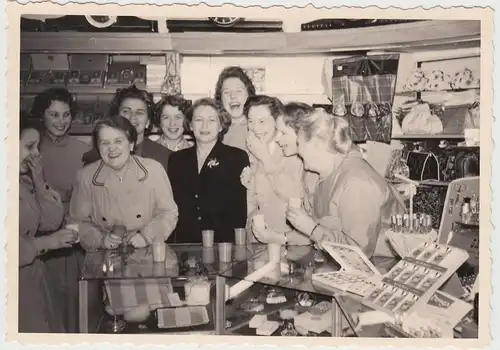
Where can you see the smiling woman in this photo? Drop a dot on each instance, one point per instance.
(61, 157)
(122, 192)
(206, 179)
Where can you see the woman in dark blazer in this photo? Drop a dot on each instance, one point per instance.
(205, 179)
(138, 107)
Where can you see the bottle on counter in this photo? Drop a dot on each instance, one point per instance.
(474, 209)
(465, 213)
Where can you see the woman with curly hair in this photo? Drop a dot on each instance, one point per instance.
(206, 179)
(170, 118)
(232, 91)
(138, 107)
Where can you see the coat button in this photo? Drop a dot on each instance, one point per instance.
(195, 196)
(138, 216)
(199, 217)
(103, 218)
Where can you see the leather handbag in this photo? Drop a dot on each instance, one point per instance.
(423, 166)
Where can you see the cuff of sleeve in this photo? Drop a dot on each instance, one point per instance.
(38, 244)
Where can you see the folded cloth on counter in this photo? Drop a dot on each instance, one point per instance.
(125, 294)
(182, 317)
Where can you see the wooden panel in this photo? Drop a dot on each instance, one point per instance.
(425, 33)
(95, 42)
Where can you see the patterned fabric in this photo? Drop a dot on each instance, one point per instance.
(362, 92)
(172, 81)
(182, 317)
(183, 143)
(125, 294)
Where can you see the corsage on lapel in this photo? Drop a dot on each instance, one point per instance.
(213, 163)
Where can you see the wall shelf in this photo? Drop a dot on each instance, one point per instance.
(405, 36)
(429, 137)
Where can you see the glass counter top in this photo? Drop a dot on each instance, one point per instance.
(297, 267)
(182, 260)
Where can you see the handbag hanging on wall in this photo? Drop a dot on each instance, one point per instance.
(423, 166)
(362, 92)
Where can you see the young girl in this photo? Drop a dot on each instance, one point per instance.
(170, 117)
(232, 90)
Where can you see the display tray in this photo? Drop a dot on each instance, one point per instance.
(239, 317)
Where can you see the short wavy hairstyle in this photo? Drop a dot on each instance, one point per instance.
(295, 112)
(116, 122)
(44, 99)
(334, 130)
(174, 101)
(135, 93)
(26, 122)
(273, 103)
(224, 118)
(233, 72)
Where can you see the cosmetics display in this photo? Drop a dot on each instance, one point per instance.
(405, 288)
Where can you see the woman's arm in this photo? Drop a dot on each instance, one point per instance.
(359, 216)
(285, 176)
(80, 211)
(165, 214)
(239, 192)
(51, 207)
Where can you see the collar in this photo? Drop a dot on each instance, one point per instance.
(56, 141)
(135, 167)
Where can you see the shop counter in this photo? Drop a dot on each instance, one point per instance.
(125, 291)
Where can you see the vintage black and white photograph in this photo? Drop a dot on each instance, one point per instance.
(254, 175)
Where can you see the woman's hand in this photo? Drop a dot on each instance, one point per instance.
(246, 177)
(111, 241)
(138, 241)
(300, 220)
(35, 165)
(257, 147)
(266, 235)
(63, 238)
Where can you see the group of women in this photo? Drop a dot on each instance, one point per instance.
(218, 163)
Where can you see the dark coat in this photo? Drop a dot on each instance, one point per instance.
(147, 149)
(212, 199)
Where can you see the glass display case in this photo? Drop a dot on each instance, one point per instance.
(255, 298)
(125, 291)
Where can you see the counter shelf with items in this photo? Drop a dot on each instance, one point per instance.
(125, 291)
(460, 227)
(409, 287)
(284, 301)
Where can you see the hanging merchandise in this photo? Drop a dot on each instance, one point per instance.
(362, 92)
(172, 81)
(420, 120)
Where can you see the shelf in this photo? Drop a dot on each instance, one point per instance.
(429, 137)
(405, 36)
(35, 89)
(422, 183)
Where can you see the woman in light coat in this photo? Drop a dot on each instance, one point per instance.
(40, 208)
(122, 190)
